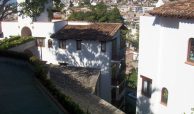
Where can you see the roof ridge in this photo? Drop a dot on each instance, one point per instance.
(178, 9)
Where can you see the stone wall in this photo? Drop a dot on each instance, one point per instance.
(79, 92)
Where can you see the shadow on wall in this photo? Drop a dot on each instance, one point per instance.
(166, 22)
(143, 104)
(90, 55)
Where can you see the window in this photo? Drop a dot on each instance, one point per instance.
(164, 96)
(40, 41)
(78, 44)
(62, 44)
(190, 55)
(103, 46)
(1, 35)
(50, 43)
(146, 86)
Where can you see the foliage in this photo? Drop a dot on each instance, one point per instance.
(87, 2)
(132, 79)
(123, 38)
(135, 43)
(32, 8)
(7, 8)
(134, 39)
(14, 41)
(58, 5)
(192, 111)
(66, 101)
(98, 13)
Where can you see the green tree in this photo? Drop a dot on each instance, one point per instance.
(114, 15)
(32, 8)
(57, 5)
(98, 13)
(7, 8)
(132, 79)
(87, 2)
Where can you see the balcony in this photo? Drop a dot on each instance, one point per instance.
(118, 95)
(116, 81)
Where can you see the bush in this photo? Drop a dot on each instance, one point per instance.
(132, 79)
(14, 41)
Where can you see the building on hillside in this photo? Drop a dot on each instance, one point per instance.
(94, 45)
(78, 44)
(165, 74)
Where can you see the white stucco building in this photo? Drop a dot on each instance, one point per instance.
(80, 44)
(165, 75)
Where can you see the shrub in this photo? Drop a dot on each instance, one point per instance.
(132, 79)
(14, 41)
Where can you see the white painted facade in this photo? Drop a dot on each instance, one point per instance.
(162, 55)
(90, 54)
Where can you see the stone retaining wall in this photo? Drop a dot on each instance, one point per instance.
(80, 94)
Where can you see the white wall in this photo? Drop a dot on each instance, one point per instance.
(10, 28)
(148, 60)
(38, 29)
(162, 56)
(0, 28)
(89, 56)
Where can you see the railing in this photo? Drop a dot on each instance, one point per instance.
(121, 87)
(116, 81)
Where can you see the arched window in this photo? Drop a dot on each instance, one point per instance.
(26, 32)
(50, 43)
(190, 55)
(164, 96)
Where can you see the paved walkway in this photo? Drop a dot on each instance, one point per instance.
(19, 91)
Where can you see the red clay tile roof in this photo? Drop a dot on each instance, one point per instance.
(93, 31)
(178, 9)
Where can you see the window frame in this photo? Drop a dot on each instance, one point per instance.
(62, 44)
(38, 39)
(148, 92)
(50, 43)
(163, 102)
(103, 43)
(78, 44)
(189, 61)
(1, 35)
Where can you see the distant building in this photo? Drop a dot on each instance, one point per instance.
(165, 74)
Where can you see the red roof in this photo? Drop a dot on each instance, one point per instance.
(178, 9)
(93, 31)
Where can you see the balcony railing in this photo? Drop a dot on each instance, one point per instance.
(116, 81)
(121, 87)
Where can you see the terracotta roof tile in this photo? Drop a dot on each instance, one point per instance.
(179, 9)
(93, 31)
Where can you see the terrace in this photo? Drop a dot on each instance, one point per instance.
(20, 93)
